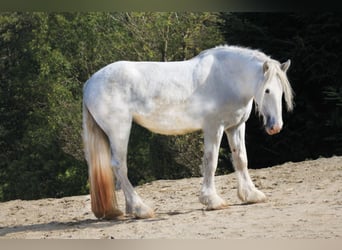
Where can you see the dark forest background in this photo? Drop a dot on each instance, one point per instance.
(45, 58)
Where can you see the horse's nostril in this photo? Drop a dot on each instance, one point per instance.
(273, 129)
(270, 121)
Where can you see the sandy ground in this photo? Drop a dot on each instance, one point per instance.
(304, 202)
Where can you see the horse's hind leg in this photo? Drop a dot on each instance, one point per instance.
(247, 192)
(118, 138)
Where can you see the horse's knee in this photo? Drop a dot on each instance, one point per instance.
(115, 162)
(239, 159)
(119, 167)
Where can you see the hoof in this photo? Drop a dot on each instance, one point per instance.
(142, 212)
(213, 202)
(253, 196)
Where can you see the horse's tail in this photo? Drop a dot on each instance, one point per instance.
(101, 175)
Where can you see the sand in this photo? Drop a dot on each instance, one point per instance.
(304, 202)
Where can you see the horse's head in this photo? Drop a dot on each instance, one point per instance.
(269, 97)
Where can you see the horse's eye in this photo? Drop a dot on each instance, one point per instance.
(267, 91)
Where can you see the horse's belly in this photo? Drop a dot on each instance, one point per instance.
(168, 123)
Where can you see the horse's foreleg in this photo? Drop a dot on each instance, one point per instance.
(247, 192)
(208, 196)
(119, 143)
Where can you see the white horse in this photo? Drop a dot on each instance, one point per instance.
(212, 92)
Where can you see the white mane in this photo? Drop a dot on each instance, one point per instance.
(274, 68)
(252, 53)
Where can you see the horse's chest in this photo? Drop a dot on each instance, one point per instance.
(234, 117)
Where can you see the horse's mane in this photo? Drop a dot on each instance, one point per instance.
(274, 67)
(252, 53)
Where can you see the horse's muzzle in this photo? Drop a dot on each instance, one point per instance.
(272, 127)
(273, 130)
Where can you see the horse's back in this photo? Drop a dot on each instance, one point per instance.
(163, 82)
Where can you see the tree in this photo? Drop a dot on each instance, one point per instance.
(34, 99)
(169, 36)
(45, 60)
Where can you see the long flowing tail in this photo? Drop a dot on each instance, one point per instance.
(101, 175)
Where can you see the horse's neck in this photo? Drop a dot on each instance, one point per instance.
(251, 79)
(258, 82)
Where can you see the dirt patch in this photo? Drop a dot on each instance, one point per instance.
(304, 201)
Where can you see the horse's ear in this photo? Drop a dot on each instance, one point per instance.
(265, 67)
(285, 66)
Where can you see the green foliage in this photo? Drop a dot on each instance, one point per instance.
(168, 36)
(38, 112)
(45, 60)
